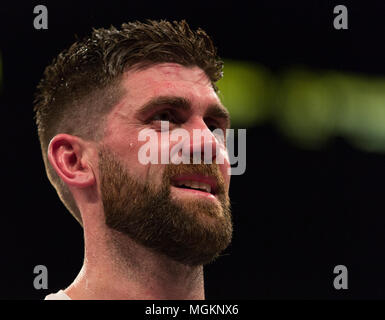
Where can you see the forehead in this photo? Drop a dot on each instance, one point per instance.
(168, 79)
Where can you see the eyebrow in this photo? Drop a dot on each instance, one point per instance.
(181, 103)
(173, 101)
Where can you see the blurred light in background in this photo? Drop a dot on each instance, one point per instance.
(309, 107)
(244, 90)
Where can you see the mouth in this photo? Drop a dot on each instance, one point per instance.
(196, 184)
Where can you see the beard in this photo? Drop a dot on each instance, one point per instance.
(190, 231)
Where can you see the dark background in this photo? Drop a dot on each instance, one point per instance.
(297, 213)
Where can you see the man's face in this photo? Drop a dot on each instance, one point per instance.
(179, 210)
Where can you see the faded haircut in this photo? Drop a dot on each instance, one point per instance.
(82, 84)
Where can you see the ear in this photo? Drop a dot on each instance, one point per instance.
(66, 155)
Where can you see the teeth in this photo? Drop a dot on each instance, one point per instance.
(205, 187)
(195, 185)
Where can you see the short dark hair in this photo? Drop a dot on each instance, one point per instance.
(82, 83)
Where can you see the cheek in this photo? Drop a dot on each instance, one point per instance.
(224, 162)
(126, 149)
(226, 170)
(138, 169)
(131, 146)
(142, 164)
(154, 174)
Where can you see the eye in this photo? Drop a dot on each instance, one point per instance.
(164, 115)
(212, 124)
(212, 127)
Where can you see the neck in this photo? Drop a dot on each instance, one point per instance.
(115, 267)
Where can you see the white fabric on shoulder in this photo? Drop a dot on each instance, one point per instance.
(60, 295)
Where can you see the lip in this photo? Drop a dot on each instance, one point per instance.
(194, 193)
(198, 178)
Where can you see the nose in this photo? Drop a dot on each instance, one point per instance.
(204, 145)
